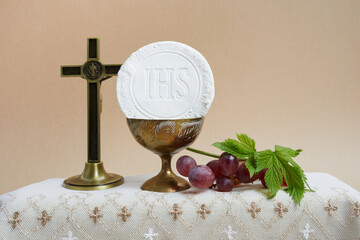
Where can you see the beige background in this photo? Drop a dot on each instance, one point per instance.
(286, 72)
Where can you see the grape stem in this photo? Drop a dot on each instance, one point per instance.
(202, 152)
(208, 154)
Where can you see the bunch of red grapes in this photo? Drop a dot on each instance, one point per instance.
(225, 172)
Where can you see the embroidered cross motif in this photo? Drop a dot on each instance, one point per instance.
(203, 211)
(70, 237)
(357, 209)
(331, 208)
(124, 214)
(176, 211)
(96, 215)
(307, 231)
(229, 232)
(281, 209)
(15, 220)
(254, 209)
(44, 218)
(150, 234)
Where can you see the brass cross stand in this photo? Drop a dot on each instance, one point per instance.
(94, 176)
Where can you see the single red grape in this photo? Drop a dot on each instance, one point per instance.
(244, 176)
(262, 176)
(215, 167)
(284, 184)
(201, 176)
(224, 184)
(184, 164)
(228, 164)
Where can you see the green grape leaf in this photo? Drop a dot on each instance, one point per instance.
(287, 151)
(233, 147)
(241, 149)
(287, 154)
(279, 164)
(247, 142)
(273, 176)
(251, 164)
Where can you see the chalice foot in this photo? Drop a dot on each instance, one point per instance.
(166, 180)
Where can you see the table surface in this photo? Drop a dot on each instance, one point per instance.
(46, 210)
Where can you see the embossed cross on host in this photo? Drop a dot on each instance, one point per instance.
(94, 72)
(165, 89)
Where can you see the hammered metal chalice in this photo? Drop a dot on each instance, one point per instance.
(165, 89)
(165, 138)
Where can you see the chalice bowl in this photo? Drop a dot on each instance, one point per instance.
(165, 138)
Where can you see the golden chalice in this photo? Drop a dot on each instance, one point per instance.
(165, 89)
(165, 138)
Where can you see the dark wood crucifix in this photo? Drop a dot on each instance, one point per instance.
(94, 72)
(94, 176)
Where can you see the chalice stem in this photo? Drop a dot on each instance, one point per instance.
(166, 164)
(166, 180)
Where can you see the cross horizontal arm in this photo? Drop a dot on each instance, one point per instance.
(70, 71)
(112, 69)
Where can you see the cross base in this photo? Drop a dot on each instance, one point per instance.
(94, 177)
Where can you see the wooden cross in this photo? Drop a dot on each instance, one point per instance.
(94, 72)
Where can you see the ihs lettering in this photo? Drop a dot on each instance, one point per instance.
(166, 83)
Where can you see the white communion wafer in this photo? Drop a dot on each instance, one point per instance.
(165, 80)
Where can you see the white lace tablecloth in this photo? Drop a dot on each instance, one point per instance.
(45, 210)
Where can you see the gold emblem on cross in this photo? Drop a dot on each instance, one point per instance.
(92, 70)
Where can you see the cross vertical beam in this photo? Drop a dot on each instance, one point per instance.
(94, 122)
(93, 48)
(93, 95)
